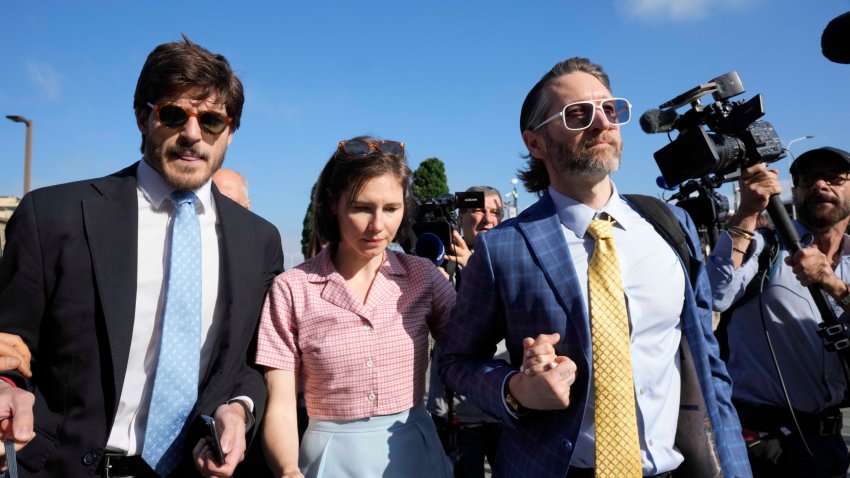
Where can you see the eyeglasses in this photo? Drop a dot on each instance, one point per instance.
(360, 148)
(833, 178)
(173, 116)
(579, 115)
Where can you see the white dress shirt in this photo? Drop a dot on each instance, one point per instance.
(155, 217)
(654, 282)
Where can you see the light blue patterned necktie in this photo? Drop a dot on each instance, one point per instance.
(175, 387)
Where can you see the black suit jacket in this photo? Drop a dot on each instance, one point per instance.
(68, 287)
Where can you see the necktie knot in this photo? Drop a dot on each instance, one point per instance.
(600, 228)
(180, 198)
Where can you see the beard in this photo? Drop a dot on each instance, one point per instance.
(183, 177)
(816, 214)
(578, 160)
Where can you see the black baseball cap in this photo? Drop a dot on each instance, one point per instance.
(843, 157)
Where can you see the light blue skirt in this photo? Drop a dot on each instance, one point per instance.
(401, 445)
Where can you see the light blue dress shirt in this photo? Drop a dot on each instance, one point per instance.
(654, 283)
(813, 376)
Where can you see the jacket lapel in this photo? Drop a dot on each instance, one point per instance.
(542, 231)
(111, 224)
(237, 273)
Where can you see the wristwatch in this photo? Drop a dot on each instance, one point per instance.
(249, 415)
(512, 402)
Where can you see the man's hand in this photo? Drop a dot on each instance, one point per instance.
(546, 379)
(461, 251)
(230, 420)
(14, 354)
(539, 353)
(758, 184)
(811, 266)
(16, 417)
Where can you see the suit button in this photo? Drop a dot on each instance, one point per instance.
(89, 458)
(567, 444)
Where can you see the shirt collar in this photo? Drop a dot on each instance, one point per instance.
(156, 189)
(323, 267)
(576, 216)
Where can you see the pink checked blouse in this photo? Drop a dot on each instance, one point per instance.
(355, 360)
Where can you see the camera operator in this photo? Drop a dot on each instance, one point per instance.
(473, 221)
(468, 434)
(787, 387)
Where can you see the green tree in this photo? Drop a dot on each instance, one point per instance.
(429, 180)
(307, 227)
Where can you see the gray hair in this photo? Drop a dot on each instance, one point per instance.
(488, 191)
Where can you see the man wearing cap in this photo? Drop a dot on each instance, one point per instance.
(788, 409)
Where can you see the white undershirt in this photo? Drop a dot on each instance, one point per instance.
(155, 215)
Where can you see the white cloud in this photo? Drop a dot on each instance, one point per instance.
(46, 78)
(678, 10)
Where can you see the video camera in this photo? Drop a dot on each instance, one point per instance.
(733, 136)
(435, 219)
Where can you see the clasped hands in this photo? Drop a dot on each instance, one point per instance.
(545, 378)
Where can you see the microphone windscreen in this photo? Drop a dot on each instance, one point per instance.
(650, 120)
(658, 121)
(835, 41)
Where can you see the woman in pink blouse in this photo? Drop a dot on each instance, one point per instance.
(352, 323)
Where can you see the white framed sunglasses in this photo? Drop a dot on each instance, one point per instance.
(579, 115)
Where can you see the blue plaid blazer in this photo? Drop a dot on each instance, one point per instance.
(521, 282)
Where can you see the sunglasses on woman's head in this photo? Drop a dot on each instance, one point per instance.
(360, 148)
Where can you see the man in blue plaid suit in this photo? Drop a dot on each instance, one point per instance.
(527, 283)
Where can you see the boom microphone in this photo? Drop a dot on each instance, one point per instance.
(835, 41)
(658, 121)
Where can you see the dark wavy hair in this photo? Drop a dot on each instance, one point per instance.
(343, 172)
(537, 104)
(176, 67)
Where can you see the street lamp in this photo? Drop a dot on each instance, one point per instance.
(28, 153)
(795, 140)
(788, 148)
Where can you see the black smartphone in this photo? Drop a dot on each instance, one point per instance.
(212, 438)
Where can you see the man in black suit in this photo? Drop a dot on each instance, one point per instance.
(85, 282)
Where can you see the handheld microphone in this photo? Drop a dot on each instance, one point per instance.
(430, 246)
(658, 121)
(835, 40)
(661, 183)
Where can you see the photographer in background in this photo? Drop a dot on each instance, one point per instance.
(791, 420)
(473, 221)
(468, 434)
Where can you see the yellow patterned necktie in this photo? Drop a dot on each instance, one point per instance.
(617, 444)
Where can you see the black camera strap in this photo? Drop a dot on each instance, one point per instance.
(658, 213)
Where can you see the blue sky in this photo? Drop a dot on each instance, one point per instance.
(447, 78)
